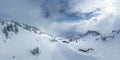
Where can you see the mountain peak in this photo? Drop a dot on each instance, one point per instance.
(10, 26)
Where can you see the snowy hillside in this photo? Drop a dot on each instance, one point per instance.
(20, 41)
(104, 47)
(23, 42)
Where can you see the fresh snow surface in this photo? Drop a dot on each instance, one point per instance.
(103, 50)
(19, 46)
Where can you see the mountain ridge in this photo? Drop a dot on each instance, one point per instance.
(23, 42)
(12, 26)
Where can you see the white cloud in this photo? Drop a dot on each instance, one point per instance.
(107, 21)
(29, 11)
(103, 22)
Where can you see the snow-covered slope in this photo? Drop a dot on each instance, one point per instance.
(20, 41)
(23, 42)
(92, 43)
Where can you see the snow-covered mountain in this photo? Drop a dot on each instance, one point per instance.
(20, 41)
(92, 43)
(23, 42)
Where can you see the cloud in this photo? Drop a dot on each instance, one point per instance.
(106, 20)
(20, 10)
(63, 17)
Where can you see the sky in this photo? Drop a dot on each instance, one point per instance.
(61, 17)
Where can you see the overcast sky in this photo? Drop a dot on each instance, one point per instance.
(64, 16)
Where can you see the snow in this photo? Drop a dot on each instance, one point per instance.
(19, 46)
(103, 50)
